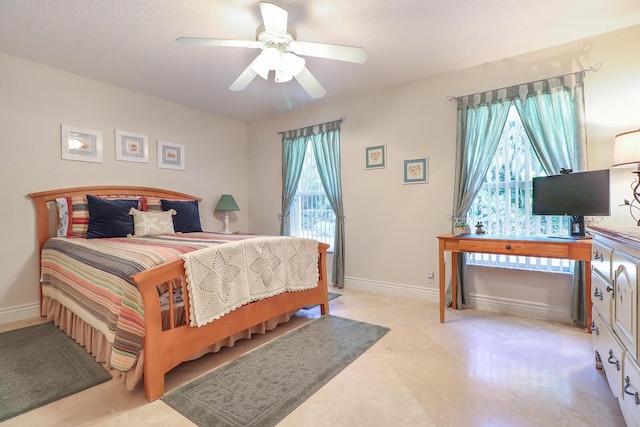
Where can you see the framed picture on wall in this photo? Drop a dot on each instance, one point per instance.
(81, 144)
(376, 157)
(171, 155)
(132, 147)
(416, 171)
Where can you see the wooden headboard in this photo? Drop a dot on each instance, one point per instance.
(44, 202)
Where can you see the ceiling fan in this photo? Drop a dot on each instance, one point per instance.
(281, 52)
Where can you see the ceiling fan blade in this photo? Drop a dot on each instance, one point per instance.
(243, 79)
(329, 51)
(310, 84)
(274, 18)
(218, 42)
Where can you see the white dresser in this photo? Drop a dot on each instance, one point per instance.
(614, 269)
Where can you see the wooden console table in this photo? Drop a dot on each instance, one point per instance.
(546, 247)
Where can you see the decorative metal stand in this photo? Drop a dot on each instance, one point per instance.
(634, 204)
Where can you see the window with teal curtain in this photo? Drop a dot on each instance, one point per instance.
(311, 215)
(504, 206)
(552, 112)
(326, 149)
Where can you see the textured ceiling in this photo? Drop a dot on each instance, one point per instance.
(130, 43)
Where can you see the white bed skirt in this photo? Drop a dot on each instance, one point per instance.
(100, 348)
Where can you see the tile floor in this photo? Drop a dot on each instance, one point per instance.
(477, 369)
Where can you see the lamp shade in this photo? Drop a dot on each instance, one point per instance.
(285, 64)
(227, 203)
(293, 63)
(268, 59)
(626, 149)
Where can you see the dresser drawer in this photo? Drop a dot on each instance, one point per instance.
(602, 296)
(630, 402)
(601, 255)
(611, 353)
(625, 308)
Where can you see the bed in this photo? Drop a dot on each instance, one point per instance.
(131, 300)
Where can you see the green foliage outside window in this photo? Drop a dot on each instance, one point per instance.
(503, 204)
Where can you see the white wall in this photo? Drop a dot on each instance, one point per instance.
(35, 100)
(391, 228)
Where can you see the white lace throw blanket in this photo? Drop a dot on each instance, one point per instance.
(225, 277)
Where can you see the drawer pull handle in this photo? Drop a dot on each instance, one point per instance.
(508, 247)
(594, 328)
(615, 362)
(627, 384)
(598, 360)
(598, 294)
(598, 256)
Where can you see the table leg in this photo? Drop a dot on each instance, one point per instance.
(587, 291)
(441, 275)
(454, 280)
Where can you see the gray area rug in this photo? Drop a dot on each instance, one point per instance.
(332, 296)
(265, 385)
(41, 364)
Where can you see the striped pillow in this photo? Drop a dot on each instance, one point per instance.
(151, 204)
(73, 214)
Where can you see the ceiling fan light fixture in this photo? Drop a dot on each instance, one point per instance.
(281, 52)
(293, 63)
(283, 75)
(289, 66)
(268, 60)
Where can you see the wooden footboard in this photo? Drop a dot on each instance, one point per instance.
(164, 350)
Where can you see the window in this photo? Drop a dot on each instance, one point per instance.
(503, 205)
(311, 215)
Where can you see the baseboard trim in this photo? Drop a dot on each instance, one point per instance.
(535, 310)
(531, 309)
(19, 312)
(397, 289)
(512, 306)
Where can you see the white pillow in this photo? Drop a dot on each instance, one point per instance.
(152, 223)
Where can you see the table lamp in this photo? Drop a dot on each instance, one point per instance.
(626, 152)
(226, 204)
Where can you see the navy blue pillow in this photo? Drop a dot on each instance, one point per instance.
(109, 218)
(187, 218)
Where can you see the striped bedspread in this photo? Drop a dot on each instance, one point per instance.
(91, 278)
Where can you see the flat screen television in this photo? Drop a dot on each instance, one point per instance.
(576, 195)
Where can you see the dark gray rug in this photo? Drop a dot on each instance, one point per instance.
(41, 364)
(332, 296)
(265, 385)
